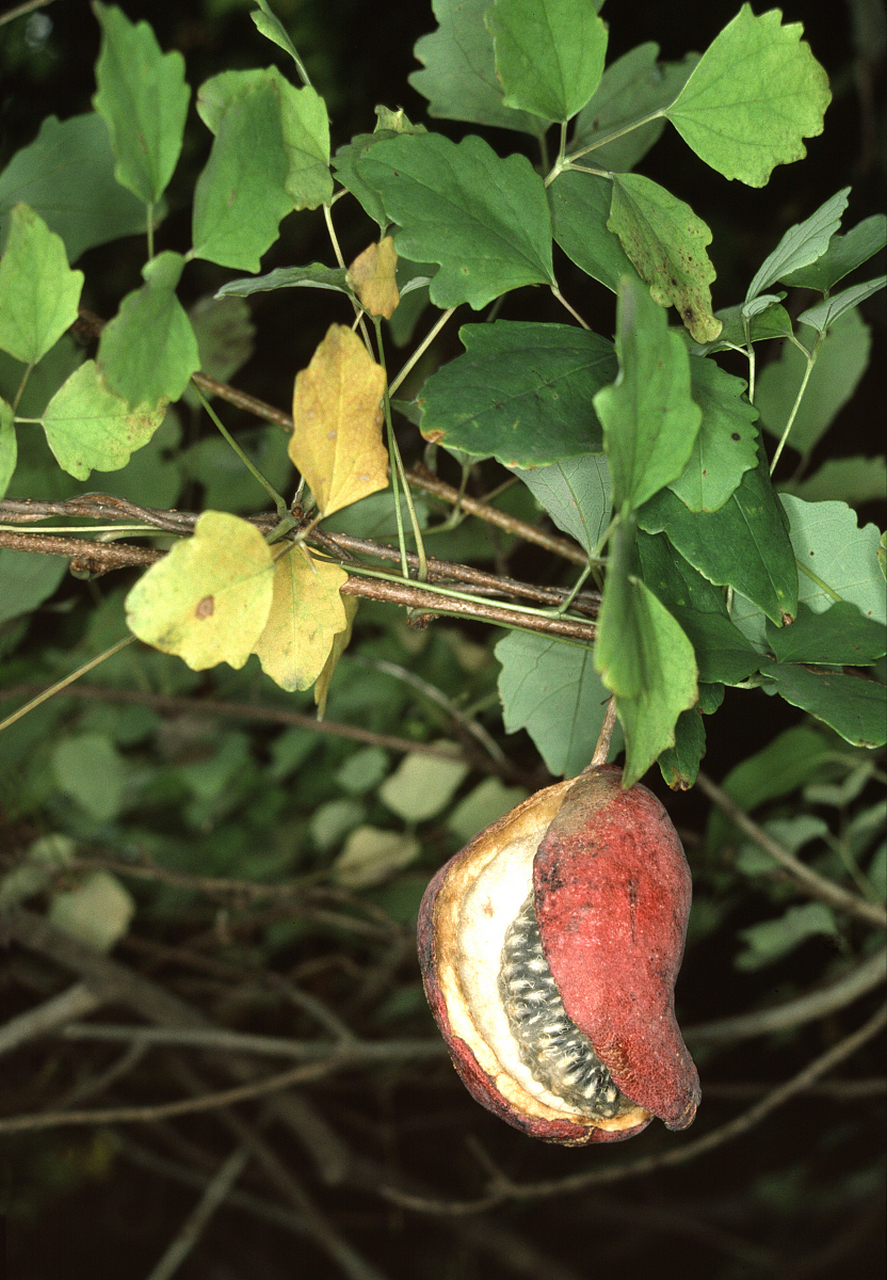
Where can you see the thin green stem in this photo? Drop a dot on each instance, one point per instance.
(420, 350)
(150, 230)
(568, 600)
(617, 133)
(567, 306)
(279, 502)
(397, 465)
(811, 361)
(63, 684)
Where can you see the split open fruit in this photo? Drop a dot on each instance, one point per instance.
(549, 949)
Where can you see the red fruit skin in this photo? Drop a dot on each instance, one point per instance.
(613, 892)
(476, 1081)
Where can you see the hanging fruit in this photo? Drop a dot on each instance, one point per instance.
(549, 949)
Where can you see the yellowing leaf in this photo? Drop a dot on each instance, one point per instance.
(371, 276)
(337, 442)
(209, 599)
(306, 614)
(340, 644)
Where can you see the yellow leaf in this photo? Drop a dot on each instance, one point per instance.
(337, 442)
(340, 644)
(371, 276)
(306, 614)
(208, 600)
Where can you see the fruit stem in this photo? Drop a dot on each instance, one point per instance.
(602, 750)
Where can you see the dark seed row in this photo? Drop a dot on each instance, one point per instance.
(552, 1047)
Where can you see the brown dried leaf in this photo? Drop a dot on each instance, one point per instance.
(371, 276)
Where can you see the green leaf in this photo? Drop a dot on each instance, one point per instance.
(315, 276)
(550, 57)
(666, 242)
(739, 329)
(90, 771)
(39, 293)
(143, 99)
(347, 159)
(723, 654)
(645, 659)
(650, 421)
(770, 940)
(855, 708)
(89, 428)
(27, 580)
(268, 23)
(8, 446)
(632, 88)
(99, 909)
(679, 765)
(802, 244)
(422, 785)
(241, 195)
(576, 494)
(302, 127)
(825, 315)
(841, 360)
(225, 336)
(148, 352)
(66, 175)
(744, 545)
(755, 94)
(839, 636)
(209, 599)
(552, 690)
(844, 254)
(851, 480)
(484, 219)
(580, 208)
(726, 446)
(522, 393)
(837, 559)
(670, 577)
(459, 76)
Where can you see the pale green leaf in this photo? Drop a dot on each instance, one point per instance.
(66, 175)
(844, 254)
(422, 785)
(89, 428)
(484, 219)
(828, 312)
(552, 690)
(755, 94)
(97, 911)
(549, 57)
(488, 801)
(27, 580)
(372, 855)
(459, 71)
(801, 245)
(39, 293)
(8, 446)
(208, 600)
(576, 494)
(851, 480)
(90, 772)
(306, 614)
(667, 244)
(770, 940)
(649, 418)
(143, 98)
(841, 360)
(837, 559)
(148, 352)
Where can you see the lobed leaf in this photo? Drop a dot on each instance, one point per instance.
(522, 392)
(550, 57)
(580, 210)
(90, 428)
(39, 293)
(726, 446)
(209, 599)
(666, 243)
(838, 636)
(484, 219)
(844, 254)
(148, 352)
(802, 244)
(576, 494)
(143, 98)
(855, 708)
(755, 94)
(650, 421)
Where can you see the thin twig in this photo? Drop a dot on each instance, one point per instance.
(76, 1001)
(214, 1195)
(816, 885)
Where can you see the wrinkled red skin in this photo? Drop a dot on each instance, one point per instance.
(475, 1079)
(613, 895)
(612, 898)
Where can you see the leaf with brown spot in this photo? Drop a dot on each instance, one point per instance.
(208, 600)
(307, 613)
(336, 443)
(666, 242)
(372, 277)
